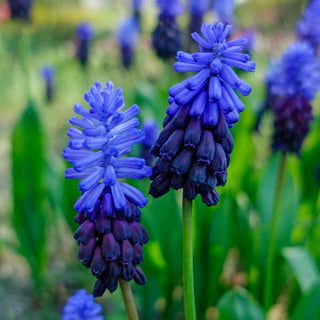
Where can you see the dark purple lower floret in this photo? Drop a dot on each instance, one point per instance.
(166, 38)
(195, 23)
(292, 121)
(82, 52)
(192, 156)
(112, 247)
(20, 9)
(127, 54)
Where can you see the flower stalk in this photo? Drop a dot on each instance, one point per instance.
(187, 258)
(128, 300)
(273, 234)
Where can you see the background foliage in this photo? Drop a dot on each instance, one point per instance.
(38, 264)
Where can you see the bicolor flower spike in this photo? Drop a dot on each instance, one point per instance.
(127, 38)
(293, 83)
(197, 9)
(166, 38)
(308, 28)
(110, 235)
(82, 306)
(195, 145)
(48, 73)
(84, 34)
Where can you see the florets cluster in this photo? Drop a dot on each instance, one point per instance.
(110, 235)
(195, 145)
(197, 9)
(166, 38)
(82, 306)
(48, 74)
(224, 10)
(127, 37)
(84, 34)
(308, 28)
(293, 83)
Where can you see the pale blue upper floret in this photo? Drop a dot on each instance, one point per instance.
(96, 151)
(128, 33)
(82, 306)
(212, 87)
(170, 7)
(297, 73)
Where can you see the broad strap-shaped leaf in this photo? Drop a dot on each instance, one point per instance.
(237, 304)
(304, 267)
(28, 187)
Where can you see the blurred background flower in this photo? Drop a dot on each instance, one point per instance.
(84, 35)
(48, 74)
(82, 306)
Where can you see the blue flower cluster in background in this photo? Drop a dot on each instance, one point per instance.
(48, 74)
(166, 38)
(127, 38)
(84, 34)
(308, 28)
(137, 8)
(110, 235)
(197, 9)
(81, 306)
(194, 147)
(224, 9)
(293, 83)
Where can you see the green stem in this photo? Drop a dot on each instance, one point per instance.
(127, 295)
(188, 287)
(269, 283)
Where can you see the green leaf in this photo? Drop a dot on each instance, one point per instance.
(29, 192)
(237, 304)
(303, 265)
(289, 201)
(308, 306)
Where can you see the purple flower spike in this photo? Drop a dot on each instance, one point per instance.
(108, 209)
(292, 83)
(82, 306)
(197, 9)
(48, 73)
(308, 28)
(84, 34)
(127, 37)
(194, 147)
(166, 38)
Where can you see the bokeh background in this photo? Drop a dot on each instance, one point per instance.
(39, 268)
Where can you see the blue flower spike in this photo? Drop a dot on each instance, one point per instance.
(194, 147)
(84, 35)
(166, 38)
(293, 83)
(108, 208)
(308, 28)
(82, 306)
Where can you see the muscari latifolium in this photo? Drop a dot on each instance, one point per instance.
(110, 235)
